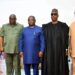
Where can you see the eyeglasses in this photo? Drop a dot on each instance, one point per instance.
(55, 14)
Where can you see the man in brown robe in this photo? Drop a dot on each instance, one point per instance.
(72, 45)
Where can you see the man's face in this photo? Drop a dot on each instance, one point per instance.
(31, 21)
(54, 16)
(12, 20)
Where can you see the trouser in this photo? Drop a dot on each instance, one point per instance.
(27, 69)
(13, 64)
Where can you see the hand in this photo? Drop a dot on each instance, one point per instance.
(66, 52)
(40, 54)
(1, 49)
(21, 54)
(69, 52)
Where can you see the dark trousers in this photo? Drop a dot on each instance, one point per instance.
(27, 69)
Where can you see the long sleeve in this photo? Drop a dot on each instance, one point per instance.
(67, 36)
(21, 42)
(42, 42)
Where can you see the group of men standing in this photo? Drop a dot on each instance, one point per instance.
(47, 44)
